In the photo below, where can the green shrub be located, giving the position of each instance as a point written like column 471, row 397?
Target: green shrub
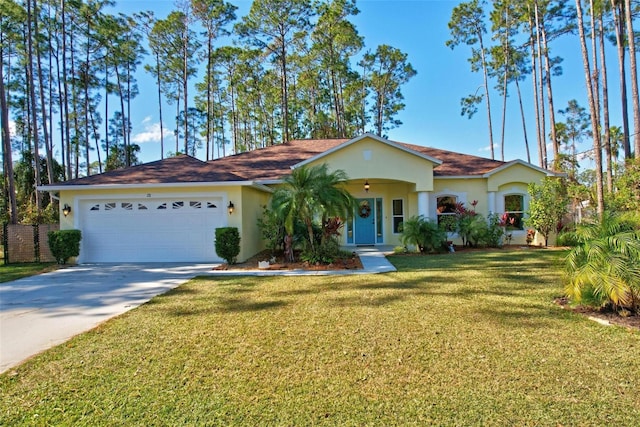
column 322, row 253
column 423, row 233
column 494, row 232
column 272, row 229
column 64, row 244
column 228, row 243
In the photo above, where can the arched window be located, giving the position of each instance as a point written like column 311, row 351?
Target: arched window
column 447, row 212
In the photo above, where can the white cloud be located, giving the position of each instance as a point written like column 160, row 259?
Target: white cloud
column 488, row 148
column 151, row 132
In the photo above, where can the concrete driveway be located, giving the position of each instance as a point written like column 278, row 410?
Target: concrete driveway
column 39, row 312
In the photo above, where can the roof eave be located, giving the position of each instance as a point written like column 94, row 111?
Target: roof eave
column 523, row 163
column 360, row 138
column 88, row 187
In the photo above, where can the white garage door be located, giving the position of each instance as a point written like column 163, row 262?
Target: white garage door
column 144, row 230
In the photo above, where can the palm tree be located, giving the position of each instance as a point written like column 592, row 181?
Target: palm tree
column 310, row 193
column 604, row 266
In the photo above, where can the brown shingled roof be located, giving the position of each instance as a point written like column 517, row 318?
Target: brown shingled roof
column 179, row 169
column 270, row 163
column 456, row 164
column 275, row 162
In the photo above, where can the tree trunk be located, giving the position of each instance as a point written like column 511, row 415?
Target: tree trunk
column 65, row 85
column 43, row 107
column 31, row 81
column 285, row 91
column 6, row 147
column 486, row 92
column 619, row 31
column 605, row 105
column 542, row 142
column 524, row 122
column 534, row 81
column 634, row 79
column 547, row 73
column 160, row 106
column 592, row 107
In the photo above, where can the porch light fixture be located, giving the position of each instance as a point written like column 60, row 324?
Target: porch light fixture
column 66, row 209
column 231, row 207
column 366, row 186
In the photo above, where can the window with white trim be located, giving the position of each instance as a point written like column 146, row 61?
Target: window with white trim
column 446, row 212
column 514, row 211
column 397, row 214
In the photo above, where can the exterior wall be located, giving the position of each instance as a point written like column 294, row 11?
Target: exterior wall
column 249, row 210
column 371, row 159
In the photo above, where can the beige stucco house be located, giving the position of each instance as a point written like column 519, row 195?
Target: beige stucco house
column 167, row 211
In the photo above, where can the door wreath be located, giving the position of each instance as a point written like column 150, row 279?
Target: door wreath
column 365, row 210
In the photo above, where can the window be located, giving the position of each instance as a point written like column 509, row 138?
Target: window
column 127, row 206
column 211, row 205
column 109, row 206
column 95, row 208
column 178, row 205
column 162, row 206
column 514, row 211
column 397, row 206
column 195, row 205
column 141, row 207
column 379, row 238
column 447, row 212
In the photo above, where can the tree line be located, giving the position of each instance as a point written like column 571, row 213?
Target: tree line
column 289, row 69
column 511, row 40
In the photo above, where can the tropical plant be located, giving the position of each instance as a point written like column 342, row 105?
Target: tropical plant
column 272, row 229
column 495, row 231
column 604, row 268
column 547, row 207
column 422, row 233
column 310, row 194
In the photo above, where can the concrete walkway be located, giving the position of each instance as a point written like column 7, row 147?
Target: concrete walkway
column 373, row 260
column 40, row 312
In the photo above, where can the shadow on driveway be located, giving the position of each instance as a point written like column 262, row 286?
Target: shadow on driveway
column 39, row 312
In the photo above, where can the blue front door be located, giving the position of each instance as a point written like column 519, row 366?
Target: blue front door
column 365, row 223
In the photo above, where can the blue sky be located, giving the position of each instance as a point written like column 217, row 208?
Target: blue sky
column 432, row 113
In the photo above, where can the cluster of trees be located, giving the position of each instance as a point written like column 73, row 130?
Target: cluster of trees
column 519, row 43
column 288, row 69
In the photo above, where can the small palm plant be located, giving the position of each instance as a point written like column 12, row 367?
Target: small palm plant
column 604, row 267
column 423, row 233
column 312, row 195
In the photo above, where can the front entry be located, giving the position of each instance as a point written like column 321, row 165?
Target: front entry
column 365, row 222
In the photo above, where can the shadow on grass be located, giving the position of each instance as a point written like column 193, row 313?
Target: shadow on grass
column 461, row 276
column 234, row 305
column 520, row 316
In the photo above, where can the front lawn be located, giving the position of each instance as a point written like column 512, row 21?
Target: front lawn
column 11, row 272
column 457, row 339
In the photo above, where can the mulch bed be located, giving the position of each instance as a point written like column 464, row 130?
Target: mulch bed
column 351, row 263
column 605, row 314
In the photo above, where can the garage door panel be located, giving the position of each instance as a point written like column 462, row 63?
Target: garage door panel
column 163, row 230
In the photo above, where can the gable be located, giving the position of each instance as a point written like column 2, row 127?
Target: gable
column 370, row 157
column 515, row 172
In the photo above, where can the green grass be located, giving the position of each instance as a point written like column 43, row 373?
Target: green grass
column 456, row 339
column 11, row 272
